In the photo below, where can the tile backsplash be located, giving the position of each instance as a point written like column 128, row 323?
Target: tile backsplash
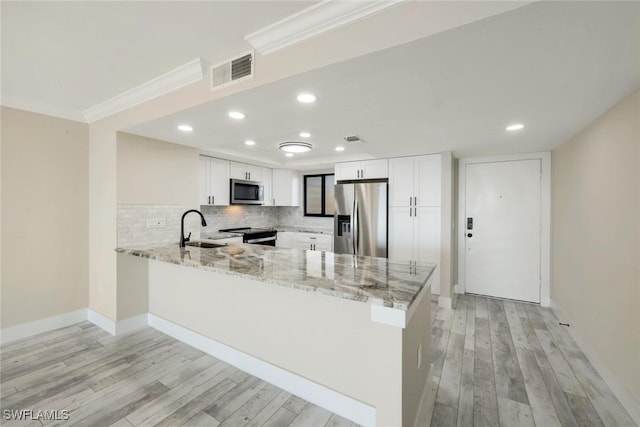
column 220, row 217
column 294, row 216
column 132, row 224
column 133, row 231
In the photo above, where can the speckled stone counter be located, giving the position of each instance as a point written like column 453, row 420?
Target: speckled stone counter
column 373, row 280
column 303, row 229
column 219, row 235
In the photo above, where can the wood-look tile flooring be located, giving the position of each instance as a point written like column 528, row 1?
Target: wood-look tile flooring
column 496, row 363
column 505, row 363
column 141, row 379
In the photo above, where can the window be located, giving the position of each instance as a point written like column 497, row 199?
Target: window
column 318, row 195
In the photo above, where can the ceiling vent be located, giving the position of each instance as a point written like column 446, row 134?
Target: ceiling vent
column 232, row 71
column 353, row 139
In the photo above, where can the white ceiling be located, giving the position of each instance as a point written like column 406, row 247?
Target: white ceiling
column 61, row 58
column 554, row 66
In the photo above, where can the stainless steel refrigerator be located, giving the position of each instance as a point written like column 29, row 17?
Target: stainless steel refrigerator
column 360, row 221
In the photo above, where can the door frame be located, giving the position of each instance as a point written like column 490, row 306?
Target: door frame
column 545, row 218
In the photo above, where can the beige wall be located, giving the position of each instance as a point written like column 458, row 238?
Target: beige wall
column 446, row 229
column 156, row 172
column 45, row 211
column 596, row 237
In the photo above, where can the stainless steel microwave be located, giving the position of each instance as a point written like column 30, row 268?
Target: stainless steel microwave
column 246, row 192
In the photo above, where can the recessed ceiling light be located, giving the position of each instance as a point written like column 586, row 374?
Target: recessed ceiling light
column 307, row 98
column 305, row 134
column 250, row 142
column 237, row 115
column 289, row 154
column 515, row 126
column 295, row 147
column 185, row 128
column 340, row 148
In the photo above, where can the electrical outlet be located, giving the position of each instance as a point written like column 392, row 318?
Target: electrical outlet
column 156, row 222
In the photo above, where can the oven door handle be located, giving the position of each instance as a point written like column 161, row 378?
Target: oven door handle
column 263, row 239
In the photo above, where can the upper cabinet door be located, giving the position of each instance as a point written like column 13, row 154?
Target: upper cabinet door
column 204, row 181
column 347, row 170
column 254, row 173
column 286, row 187
column 219, row 172
column 401, row 181
column 427, row 180
column 373, row 169
column 238, row 171
column 267, row 182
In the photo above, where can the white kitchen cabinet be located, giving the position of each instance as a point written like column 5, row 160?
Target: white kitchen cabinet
column 414, row 211
column 414, row 235
column 214, row 181
column 267, row 182
column 415, row 181
column 314, row 241
column 366, row 169
column 286, row 187
column 286, row 239
column 245, row 171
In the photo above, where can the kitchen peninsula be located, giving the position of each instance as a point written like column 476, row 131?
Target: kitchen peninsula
column 349, row 333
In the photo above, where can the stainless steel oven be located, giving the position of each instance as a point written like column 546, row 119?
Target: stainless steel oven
column 246, row 192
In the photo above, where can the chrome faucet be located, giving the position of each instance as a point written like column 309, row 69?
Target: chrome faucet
column 183, row 239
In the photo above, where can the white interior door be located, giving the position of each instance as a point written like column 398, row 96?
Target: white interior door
column 503, row 244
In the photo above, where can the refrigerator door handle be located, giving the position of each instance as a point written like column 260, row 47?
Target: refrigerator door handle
column 354, row 226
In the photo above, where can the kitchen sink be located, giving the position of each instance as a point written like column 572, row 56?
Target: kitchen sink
column 205, row 244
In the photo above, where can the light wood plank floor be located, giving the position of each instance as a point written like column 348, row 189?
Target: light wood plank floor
column 496, row 363
column 505, row 363
column 141, row 379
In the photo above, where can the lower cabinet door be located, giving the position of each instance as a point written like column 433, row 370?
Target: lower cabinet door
column 401, row 233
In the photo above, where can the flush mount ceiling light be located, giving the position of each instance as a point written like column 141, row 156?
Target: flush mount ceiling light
column 289, row 155
column 185, row 128
column 237, row 115
column 514, row 127
column 250, row 142
column 306, row 98
column 339, row 148
column 295, row 147
column 305, row 134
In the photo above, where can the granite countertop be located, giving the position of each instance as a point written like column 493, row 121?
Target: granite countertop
column 219, row 235
column 302, row 229
column 367, row 279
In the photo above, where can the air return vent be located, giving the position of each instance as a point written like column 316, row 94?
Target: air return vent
column 232, row 71
column 353, row 139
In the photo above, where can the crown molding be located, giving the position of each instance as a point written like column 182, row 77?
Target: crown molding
column 313, row 21
column 184, row 75
column 39, row 108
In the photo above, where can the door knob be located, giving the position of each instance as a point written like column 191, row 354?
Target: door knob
column 469, row 235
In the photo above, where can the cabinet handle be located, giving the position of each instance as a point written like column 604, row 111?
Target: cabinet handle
column 410, row 200
column 415, row 211
column 361, row 173
column 249, row 176
column 415, row 200
column 213, row 200
column 209, row 199
column 274, row 202
column 410, row 211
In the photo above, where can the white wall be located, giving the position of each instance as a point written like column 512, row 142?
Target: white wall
column 45, row 212
column 596, row 238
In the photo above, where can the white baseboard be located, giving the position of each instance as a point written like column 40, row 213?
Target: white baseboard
column 623, row 394
column 331, row 400
column 25, row 330
column 101, row 321
column 132, row 324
